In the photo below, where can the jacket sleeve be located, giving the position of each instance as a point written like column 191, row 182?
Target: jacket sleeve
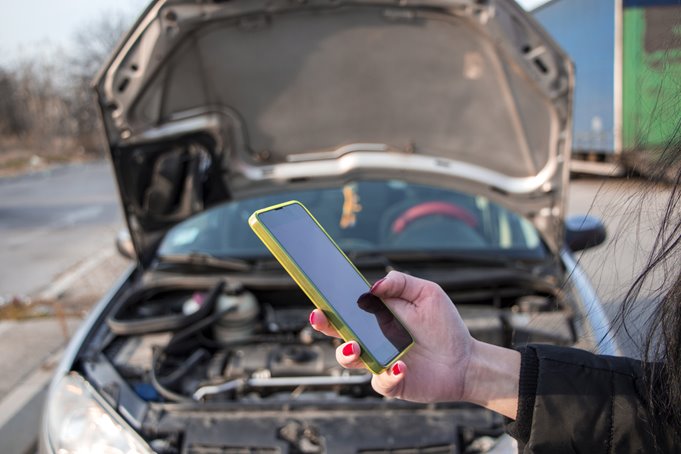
column 571, row 400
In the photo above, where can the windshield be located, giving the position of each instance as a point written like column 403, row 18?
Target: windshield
column 369, row 216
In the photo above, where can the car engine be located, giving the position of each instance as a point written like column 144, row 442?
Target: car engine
column 233, row 367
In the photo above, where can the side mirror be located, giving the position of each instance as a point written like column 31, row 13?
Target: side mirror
column 124, row 244
column 583, row 232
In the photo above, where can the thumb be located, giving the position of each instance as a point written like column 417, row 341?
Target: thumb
column 399, row 285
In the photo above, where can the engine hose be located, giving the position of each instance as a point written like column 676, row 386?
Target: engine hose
column 187, row 365
column 197, row 327
column 162, row 390
column 165, row 323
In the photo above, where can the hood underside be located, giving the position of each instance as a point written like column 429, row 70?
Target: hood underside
column 204, row 102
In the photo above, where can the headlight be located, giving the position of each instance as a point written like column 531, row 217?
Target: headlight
column 80, row 421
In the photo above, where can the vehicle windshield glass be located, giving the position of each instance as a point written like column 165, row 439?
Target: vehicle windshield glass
column 369, row 216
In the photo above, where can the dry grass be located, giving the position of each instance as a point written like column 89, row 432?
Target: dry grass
column 18, row 309
column 18, row 156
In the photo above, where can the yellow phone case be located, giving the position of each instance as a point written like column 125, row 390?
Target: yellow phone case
column 310, row 289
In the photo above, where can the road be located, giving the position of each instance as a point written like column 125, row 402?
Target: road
column 51, row 220
column 632, row 212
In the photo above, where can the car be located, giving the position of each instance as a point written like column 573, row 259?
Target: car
column 430, row 136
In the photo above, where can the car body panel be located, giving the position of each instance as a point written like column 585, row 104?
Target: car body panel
column 456, row 90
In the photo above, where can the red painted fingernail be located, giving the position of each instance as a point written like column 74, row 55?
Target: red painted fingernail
column 397, row 370
column 312, row 317
column 376, row 284
column 349, row 349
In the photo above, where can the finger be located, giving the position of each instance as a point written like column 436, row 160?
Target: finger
column 402, row 286
column 347, row 355
column 390, row 382
column 319, row 322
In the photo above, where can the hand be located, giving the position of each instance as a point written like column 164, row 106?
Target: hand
column 434, row 369
column 445, row 364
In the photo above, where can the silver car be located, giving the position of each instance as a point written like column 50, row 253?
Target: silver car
column 428, row 136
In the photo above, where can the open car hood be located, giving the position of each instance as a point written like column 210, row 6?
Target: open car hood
column 209, row 101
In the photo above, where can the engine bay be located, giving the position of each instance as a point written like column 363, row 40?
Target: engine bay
column 240, row 348
column 184, row 355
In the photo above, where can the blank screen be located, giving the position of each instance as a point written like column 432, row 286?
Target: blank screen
column 338, row 281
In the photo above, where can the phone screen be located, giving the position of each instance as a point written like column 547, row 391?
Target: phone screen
column 375, row 326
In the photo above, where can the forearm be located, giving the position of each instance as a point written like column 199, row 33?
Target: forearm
column 492, row 378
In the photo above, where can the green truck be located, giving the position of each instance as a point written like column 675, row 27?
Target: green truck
column 627, row 55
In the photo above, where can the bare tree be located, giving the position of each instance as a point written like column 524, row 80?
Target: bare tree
column 33, row 112
column 95, row 41
column 12, row 118
column 46, row 102
column 41, row 97
column 93, row 44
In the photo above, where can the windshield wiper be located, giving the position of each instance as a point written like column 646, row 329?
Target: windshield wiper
column 454, row 258
column 202, row 259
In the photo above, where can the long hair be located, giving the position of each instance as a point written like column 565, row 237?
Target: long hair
column 661, row 346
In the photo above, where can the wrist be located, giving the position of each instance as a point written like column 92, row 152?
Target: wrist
column 491, row 378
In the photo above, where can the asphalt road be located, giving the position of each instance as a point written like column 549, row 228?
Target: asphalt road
column 49, row 221
column 632, row 212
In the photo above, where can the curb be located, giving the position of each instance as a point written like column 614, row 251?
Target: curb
column 57, row 288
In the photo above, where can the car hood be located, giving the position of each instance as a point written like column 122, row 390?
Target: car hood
column 204, row 102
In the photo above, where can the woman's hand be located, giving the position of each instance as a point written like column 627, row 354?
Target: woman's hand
column 446, row 363
column 435, row 367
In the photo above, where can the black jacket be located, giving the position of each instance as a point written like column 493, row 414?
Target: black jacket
column 572, row 401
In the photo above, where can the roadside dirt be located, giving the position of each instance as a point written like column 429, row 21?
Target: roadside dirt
column 17, row 157
column 75, row 301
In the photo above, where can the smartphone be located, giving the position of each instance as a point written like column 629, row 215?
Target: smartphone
column 332, row 282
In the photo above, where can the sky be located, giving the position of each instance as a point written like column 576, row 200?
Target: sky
column 30, row 25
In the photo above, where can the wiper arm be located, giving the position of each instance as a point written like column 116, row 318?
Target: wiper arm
column 388, row 259
column 451, row 257
column 205, row 260
column 467, row 259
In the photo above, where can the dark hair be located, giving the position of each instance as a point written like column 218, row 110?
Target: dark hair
column 661, row 346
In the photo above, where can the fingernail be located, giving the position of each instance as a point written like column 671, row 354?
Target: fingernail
column 312, row 317
column 349, row 349
column 397, row 369
column 376, row 284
